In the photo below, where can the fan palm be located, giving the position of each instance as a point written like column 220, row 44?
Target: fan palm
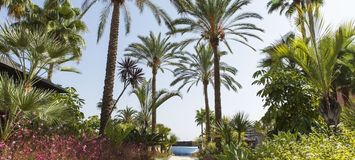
column 240, row 123
column 318, row 59
column 61, row 20
column 17, row 104
column 15, row 8
column 148, row 103
column 216, row 21
column 33, row 48
column 195, row 68
column 157, row 52
column 116, row 6
column 127, row 115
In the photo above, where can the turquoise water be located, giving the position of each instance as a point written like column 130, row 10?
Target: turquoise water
column 184, row 150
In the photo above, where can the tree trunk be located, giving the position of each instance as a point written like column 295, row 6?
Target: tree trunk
column 50, row 72
column 207, row 108
column 330, row 110
column 217, row 87
column 107, row 99
column 154, row 110
column 202, row 130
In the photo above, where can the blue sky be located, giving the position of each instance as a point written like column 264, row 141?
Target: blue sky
column 178, row 114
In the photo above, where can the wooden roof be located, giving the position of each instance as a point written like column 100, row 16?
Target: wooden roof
column 14, row 70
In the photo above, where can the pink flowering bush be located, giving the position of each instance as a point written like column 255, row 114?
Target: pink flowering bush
column 26, row 144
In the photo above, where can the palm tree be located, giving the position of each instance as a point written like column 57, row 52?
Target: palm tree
column 200, row 118
column 117, row 5
column 240, row 123
column 157, row 52
column 289, row 8
column 17, row 104
column 318, row 58
column 193, row 68
column 15, row 8
column 216, row 21
column 148, row 103
column 66, row 27
column 37, row 53
column 127, row 115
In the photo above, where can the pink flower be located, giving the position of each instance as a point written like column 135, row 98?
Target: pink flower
column 2, row 145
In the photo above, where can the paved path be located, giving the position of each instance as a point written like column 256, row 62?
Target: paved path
column 181, row 158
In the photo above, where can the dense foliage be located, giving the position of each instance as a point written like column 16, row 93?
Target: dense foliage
column 311, row 147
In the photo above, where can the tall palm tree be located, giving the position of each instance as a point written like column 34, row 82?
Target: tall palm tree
column 240, row 123
column 127, row 115
column 148, row 103
column 116, row 6
column 195, row 68
column 216, row 21
column 157, row 52
column 318, row 58
column 63, row 21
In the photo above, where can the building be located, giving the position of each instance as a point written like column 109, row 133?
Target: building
column 14, row 70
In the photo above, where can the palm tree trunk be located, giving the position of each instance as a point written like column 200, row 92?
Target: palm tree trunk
column 154, row 110
column 107, row 99
column 330, row 110
column 50, row 72
column 207, row 108
column 202, row 130
column 217, row 87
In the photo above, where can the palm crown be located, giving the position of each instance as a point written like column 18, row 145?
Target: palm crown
column 211, row 23
column 195, row 68
column 158, row 13
column 156, row 51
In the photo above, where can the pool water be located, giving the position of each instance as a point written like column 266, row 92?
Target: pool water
column 184, row 150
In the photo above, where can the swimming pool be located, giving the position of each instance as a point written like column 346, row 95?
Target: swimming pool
column 184, row 150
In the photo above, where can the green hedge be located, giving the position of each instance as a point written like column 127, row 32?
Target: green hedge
column 315, row 146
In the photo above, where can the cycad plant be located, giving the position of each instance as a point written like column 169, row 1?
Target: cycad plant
column 215, row 22
column 156, row 52
column 116, row 6
column 191, row 69
column 18, row 105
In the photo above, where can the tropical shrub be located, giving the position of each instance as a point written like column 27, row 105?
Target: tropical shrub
column 26, row 144
column 17, row 105
column 314, row 146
